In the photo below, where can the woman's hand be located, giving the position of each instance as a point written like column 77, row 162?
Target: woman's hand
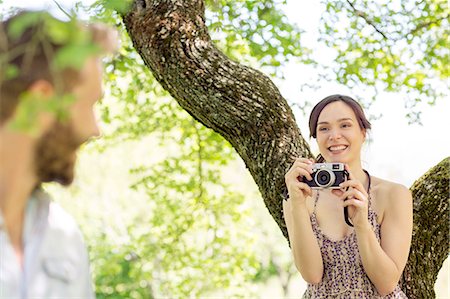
column 299, row 191
column 356, row 199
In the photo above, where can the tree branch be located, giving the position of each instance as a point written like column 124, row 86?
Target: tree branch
column 426, row 24
column 363, row 15
column 240, row 103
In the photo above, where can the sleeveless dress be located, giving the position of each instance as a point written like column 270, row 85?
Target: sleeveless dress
column 343, row 274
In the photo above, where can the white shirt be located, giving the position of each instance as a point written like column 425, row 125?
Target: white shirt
column 56, row 263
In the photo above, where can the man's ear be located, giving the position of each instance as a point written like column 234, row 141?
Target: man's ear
column 42, row 87
column 42, row 91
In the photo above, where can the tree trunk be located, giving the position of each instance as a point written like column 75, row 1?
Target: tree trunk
column 247, row 109
column 430, row 242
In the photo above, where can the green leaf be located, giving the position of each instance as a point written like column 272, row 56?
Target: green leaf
column 74, row 55
column 11, row 72
column 24, row 21
column 121, row 6
column 60, row 33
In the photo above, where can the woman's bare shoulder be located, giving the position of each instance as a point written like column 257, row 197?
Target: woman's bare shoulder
column 388, row 188
column 385, row 185
column 389, row 194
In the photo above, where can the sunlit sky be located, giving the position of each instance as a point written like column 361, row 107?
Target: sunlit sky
column 398, row 151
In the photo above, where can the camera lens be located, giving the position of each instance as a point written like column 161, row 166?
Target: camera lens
column 324, row 178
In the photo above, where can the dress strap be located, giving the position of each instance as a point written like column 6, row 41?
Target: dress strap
column 315, row 201
column 369, row 198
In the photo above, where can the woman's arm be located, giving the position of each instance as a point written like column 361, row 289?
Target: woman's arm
column 384, row 263
column 305, row 249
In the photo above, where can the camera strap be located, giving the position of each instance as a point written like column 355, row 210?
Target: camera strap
column 346, row 218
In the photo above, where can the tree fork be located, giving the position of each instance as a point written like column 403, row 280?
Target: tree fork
column 246, row 108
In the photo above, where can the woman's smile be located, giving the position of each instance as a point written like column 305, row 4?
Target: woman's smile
column 337, row 149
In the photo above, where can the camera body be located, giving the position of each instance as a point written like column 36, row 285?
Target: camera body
column 327, row 175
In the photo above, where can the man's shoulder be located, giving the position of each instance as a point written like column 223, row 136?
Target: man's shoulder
column 61, row 252
column 59, row 221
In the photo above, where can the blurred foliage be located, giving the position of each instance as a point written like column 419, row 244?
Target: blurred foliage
column 396, row 46
column 256, row 32
column 184, row 228
column 181, row 231
column 63, row 43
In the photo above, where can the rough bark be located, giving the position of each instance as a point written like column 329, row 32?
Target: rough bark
column 430, row 242
column 246, row 108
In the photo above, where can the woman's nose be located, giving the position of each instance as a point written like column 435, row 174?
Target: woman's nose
column 335, row 134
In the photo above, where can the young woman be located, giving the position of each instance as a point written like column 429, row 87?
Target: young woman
column 337, row 260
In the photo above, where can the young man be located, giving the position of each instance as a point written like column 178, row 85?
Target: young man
column 42, row 254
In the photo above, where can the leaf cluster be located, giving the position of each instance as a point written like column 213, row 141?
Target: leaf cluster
column 64, row 43
column 395, row 46
column 256, row 32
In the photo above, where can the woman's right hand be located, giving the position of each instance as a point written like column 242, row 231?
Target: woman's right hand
column 298, row 190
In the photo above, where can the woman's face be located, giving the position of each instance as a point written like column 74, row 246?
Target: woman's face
column 339, row 135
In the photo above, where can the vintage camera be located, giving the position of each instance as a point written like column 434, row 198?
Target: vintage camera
column 327, row 175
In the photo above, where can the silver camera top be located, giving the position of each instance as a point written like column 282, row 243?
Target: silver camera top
column 330, row 166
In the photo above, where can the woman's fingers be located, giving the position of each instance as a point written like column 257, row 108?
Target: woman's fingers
column 299, row 191
column 354, row 184
column 353, row 193
column 306, row 188
column 352, row 181
column 302, row 167
column 353, row 202
column 304, row 163
column 297, row 172
column 302, row 172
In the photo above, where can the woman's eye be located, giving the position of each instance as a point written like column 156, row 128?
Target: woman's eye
column 323, row 129
column 346, row 125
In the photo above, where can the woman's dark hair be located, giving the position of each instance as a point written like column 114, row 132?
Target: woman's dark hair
column 356, row 107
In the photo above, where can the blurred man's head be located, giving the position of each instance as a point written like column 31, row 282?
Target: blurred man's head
column 56, row 149
column 32, row 59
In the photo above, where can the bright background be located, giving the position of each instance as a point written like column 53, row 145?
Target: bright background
column 397, row 151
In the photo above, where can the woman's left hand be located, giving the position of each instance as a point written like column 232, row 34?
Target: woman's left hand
column 356, row 199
